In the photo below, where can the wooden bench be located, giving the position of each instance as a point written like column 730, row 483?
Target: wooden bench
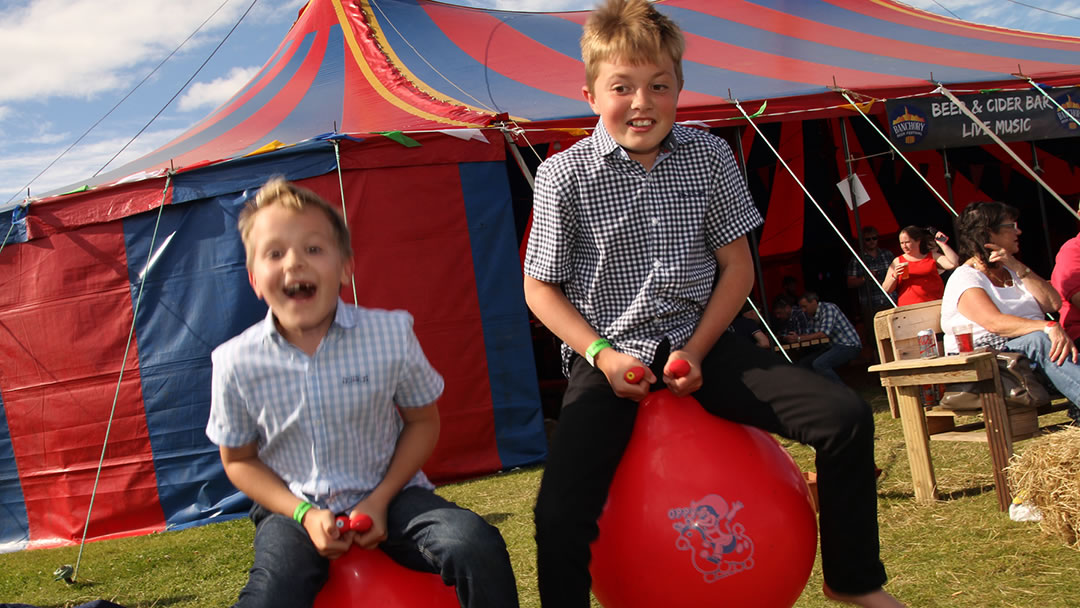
column 903, row 373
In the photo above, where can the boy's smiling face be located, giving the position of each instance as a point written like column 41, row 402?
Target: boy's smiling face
column 298, row 269
column 636, row 104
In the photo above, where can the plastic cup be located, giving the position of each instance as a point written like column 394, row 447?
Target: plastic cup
column 962, row 333
column 901, row 270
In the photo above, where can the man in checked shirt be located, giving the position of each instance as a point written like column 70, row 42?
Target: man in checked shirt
column 630, row 227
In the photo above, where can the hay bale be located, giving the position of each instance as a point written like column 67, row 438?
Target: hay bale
column 1047, row 475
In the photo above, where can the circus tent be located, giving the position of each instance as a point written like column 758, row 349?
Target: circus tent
column 401, row 110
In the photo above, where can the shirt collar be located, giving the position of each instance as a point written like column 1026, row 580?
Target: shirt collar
column 342, row 319
column 606, row 144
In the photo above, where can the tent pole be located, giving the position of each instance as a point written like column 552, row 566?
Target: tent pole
column 864, row 289
column 851, row 183
column 948, row 176
column 1050, row 257
column 753, row 235
column 901, row 154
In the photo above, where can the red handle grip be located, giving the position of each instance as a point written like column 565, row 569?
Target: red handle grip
column 635, row 374
column 679, row 368
column 361, row 522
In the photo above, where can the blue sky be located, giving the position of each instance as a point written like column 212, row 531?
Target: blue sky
column 68, row 62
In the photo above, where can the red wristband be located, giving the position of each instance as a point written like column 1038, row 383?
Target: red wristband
column 1050, row 324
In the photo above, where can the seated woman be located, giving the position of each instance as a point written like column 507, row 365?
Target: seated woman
column 916, row 273
column 1004, row 301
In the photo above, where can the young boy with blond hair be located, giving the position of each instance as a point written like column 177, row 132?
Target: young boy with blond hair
column 630, row 227
column 324, row 409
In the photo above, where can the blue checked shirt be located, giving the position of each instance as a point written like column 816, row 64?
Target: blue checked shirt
column 831, row 320
column 634, row 250
column 326, row 424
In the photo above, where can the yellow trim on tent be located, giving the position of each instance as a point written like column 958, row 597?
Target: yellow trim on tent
column 378, row 86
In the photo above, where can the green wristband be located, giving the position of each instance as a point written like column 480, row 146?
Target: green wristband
column 301, row 510
column 594, row 349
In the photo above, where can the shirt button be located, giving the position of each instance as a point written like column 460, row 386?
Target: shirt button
column 655, row 221
column 656, row 263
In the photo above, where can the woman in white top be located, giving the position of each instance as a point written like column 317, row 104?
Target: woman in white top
column 1004, row 301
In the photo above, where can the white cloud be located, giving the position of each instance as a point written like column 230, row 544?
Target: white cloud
column 1010, row 15
column 216, row 92
column 79, row 48
column 76, row 167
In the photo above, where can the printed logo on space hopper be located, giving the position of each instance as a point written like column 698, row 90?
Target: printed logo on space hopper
column 718, row 545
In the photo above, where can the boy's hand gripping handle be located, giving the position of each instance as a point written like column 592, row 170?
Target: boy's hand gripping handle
column 361, row 522
column 678, row 369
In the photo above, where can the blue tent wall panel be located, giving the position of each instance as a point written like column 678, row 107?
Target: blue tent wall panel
column 515, row 392
column 14, row 523
column 294, row 163
column 195, row 297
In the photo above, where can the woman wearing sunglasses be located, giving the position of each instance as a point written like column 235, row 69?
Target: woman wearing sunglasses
column 1004, row 301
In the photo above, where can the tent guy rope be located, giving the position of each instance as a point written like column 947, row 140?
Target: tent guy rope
column 885, row 137
column 813, row 200
column 344, row 213
column 967, row 112
column 151, row 257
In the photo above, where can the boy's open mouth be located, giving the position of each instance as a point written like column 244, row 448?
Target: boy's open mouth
column 641, row 122
column 300, row 290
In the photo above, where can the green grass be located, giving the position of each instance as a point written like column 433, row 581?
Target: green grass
column 958, row 552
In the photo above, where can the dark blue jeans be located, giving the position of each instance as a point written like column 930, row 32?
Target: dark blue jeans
column 826, row 362
column 424, row 532
column 1064, row 377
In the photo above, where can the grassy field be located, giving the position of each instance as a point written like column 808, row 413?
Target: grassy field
column 959, row 552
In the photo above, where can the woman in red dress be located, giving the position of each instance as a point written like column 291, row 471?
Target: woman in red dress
column 916, row 273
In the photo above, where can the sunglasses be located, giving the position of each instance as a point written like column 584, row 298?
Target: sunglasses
column 1009, row 225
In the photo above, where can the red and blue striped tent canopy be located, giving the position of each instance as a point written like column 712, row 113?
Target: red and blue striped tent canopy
column 371, row 103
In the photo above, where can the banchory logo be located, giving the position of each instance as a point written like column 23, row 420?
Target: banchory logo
column 908, row 125
column 1070, row 105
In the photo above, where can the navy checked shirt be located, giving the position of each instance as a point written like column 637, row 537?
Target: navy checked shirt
column 634, row 250
column 879, row 265
column 831, row 320
column 326, row 424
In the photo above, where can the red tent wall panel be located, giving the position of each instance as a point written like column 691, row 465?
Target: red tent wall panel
column 401, row 242
column 65, row 313
column 95, row 206
column 784, row 218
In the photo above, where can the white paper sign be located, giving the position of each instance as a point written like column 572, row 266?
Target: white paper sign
column 856, row 184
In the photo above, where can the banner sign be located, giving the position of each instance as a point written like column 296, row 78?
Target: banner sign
column 936, row 122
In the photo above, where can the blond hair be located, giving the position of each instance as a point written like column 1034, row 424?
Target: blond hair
column 632, row 31
column 279, row 191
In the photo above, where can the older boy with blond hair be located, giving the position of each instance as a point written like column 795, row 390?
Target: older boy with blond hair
column 631, row 226
column 324, row 409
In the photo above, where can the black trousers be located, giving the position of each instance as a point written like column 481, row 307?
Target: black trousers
column 743, row 383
